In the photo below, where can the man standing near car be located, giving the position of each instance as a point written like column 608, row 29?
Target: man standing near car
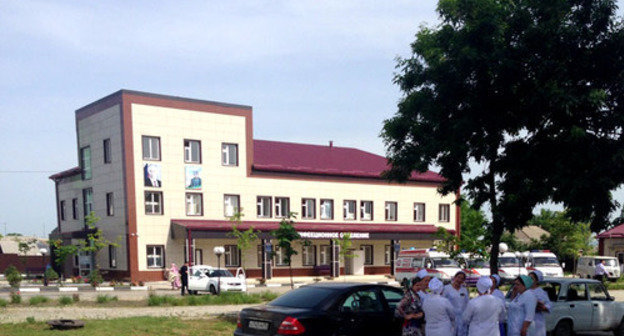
column 600, row 271
column 184, row 277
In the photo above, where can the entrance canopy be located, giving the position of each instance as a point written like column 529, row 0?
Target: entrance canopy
column 312, row 230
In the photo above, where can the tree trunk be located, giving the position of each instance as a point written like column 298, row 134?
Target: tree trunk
column 292, row 284
column 497, row 225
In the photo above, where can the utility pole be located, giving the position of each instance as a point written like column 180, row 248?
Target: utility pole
column 5, row 228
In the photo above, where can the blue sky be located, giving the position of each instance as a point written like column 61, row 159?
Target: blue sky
column 313, row 71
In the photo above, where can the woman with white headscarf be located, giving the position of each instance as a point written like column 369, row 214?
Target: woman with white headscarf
column 457, row 293
column 496, row 281
column 439, row 313
column 521, row 309
column 543, row 302
column 484, row 313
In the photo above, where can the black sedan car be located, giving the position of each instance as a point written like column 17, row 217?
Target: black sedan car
column 326, row 309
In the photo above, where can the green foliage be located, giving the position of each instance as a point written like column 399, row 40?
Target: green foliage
column 30, row 319
column 106, row 298
column 65, row 300
column 225, row 298
column 345, row 243
column 95, row 278
column 473, row 230
column 566, row 237
column 286, row 236
column 528, row 90
column 13, row 276
column 446, row 242
column 37, row 299
column 62, row 252
column 51, row 274
column 16, row 298
column 3, row 303
column 244, row 239
column 23, row 246
column 14, row 234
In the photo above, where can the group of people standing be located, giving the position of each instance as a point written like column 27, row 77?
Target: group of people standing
column 178, row 278
column 431, row 308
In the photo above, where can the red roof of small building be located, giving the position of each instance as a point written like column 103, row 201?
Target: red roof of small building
column 617, row 232
column 66, row 173
column 287, row 157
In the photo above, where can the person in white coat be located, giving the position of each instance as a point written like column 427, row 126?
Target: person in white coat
column 457, row 293
column 439, row 313
column 521, row 309
column 496, row 281
column 424, row 275
column 543, row 303
column 484, row 313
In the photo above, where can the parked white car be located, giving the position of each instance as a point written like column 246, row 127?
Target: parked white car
column 437, row 264
column 546, row 262
column 581, row 305
column 510, row 267
column 204, row 278
column 586, row 267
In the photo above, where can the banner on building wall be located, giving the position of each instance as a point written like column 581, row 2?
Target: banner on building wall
column 333, row 235
column 153, row 175
column 193, row 177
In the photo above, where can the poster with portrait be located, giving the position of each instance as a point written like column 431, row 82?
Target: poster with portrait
column 152, row 174
column 193, row 177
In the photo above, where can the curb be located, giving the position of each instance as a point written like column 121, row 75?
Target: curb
column 75, row 289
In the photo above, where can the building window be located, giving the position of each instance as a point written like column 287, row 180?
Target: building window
column 62, row 210
column 153, row 203
column 282, row 207
column 229, row 154
column 75, row 208
column 85, row 162
column 444, row 211
column 110, row 204
column 391, row 211
column 280, row 256
column 87, row 201
column 264, row 206
column 368, row 254
column 349, row 210
column 308, row 210
column 366, row 210
column 231, row 256
column 387, row 252
column 151, row 148
column 107, row 151
column 155, row 256
column 325, row 257
column 327, row 209
column 112, row 256
column 194, row 204
column 192, row 151
column 308, row 255
column 231, row 205
column 419, row 212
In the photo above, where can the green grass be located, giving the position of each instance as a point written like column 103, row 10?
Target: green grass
column 65, row 300
column 106, row 298
column 37, row 300
column 135, row 326
column 221, row 299
column 3, row 303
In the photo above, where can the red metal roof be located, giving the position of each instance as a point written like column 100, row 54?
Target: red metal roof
column 225, row 225
column 66, row 173
column 287, row 157
column 617, row 232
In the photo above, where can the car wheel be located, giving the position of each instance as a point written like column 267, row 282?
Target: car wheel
column 563, row 328
column 213, row 290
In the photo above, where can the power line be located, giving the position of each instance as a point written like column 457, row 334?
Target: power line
column 27, row 171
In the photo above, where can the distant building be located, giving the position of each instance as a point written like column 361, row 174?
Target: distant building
column 611, row 243
column 165, row 174
column 531, row 232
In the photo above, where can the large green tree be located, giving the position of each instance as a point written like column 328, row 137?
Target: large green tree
column 529, row 91
column 566, row 238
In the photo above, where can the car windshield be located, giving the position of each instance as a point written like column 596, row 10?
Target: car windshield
column 545, row 261
column 609, row 262
column 478, row 263
column 304, row 297
column 220, row 273
column 508, row 262
column 444, row 262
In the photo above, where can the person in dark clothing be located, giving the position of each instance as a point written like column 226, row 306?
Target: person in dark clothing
column 184, row 277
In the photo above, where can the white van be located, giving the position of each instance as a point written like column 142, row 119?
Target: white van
column 586, row 267
column 546, row 262
column 437, row 264
column 510, row 267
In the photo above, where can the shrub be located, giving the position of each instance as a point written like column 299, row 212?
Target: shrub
column 51, row 274
column 76, row 297
column 3, row 303
column 106, row 298
column 13, row 276
column 30, row 319
column 65, row 300
column 16, row 298
column 95, row 278
column 35, row 300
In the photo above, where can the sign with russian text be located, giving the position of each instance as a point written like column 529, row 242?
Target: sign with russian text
column 333, row 235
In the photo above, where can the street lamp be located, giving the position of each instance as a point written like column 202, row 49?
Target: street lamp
column 44, row 251
column 218, row 251
column 519, row 256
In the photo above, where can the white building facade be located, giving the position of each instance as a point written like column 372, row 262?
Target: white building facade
column 164, row 174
